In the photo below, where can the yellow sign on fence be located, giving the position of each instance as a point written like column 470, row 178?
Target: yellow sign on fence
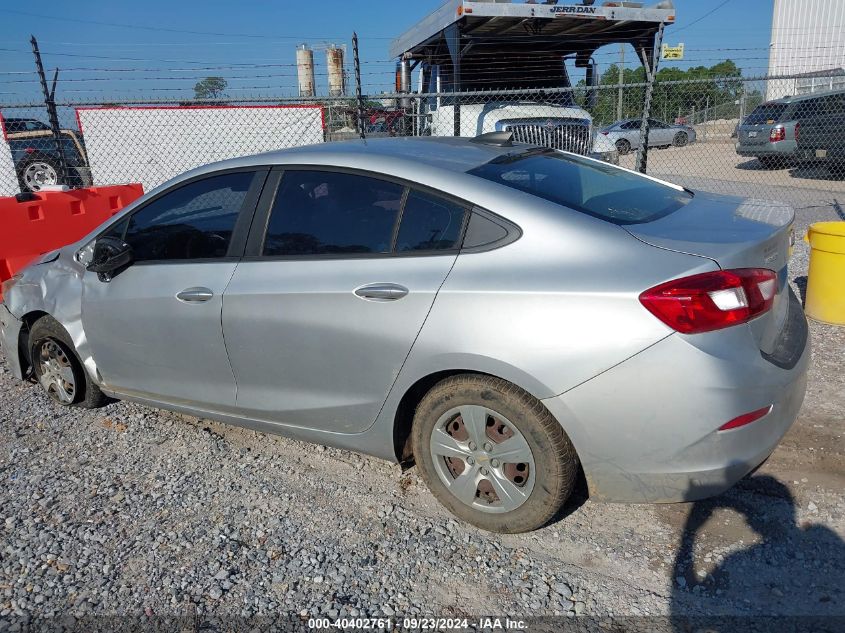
column 672, row 52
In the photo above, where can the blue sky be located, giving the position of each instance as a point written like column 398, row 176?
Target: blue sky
column 252, row 42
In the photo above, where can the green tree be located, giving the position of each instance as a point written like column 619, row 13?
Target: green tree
column 210, row 88
column 716, row 88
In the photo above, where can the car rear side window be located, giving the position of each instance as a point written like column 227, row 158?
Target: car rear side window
column 429, row 223
column 585, row 185
column 195, row 221
column 324, row 212
column 805, row 110
column 766, row 112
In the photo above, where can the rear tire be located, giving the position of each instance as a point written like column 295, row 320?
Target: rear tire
column 508, row 423
column 623, row 146
column 57, row 368
column 836, row 169
column 680, row 140
column 771, row 162
column 37, row 173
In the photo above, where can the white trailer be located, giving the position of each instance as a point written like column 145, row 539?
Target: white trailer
column 519, row 50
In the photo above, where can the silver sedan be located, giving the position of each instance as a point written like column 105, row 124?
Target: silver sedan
column 626, row 134
column 508, row 317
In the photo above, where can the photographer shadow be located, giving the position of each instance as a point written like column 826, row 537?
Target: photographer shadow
column 794, row 575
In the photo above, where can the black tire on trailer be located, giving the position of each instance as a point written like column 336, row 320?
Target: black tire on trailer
column 492, row 454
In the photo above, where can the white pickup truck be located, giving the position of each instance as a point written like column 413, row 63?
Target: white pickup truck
column 501, row 65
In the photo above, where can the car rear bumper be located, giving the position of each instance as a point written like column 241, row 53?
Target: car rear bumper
column 781, row 148
column 10, row 328
column 647, row 429
column 822, row 153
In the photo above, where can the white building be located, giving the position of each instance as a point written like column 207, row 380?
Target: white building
column 808, row 42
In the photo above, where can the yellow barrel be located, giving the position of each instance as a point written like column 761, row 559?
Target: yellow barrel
column 826, row 279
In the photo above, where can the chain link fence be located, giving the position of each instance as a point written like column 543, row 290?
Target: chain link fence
column 717, row 134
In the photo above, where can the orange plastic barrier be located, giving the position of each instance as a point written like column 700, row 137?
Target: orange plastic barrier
column 30, row 229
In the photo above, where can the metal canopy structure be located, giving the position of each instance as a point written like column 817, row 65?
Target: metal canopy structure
column 504, row 45
column 463, row 29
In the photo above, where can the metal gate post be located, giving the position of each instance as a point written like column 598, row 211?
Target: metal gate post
column 651, row 72
column 52, row 113
column 453, row 43
column 358, row 95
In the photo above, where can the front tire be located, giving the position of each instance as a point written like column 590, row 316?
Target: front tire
column 57, row 367
column 681, row 139
column 492, row 454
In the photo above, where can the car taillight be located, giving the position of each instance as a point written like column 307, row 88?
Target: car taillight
column 797, row 130
column 712, row 301
column 605, row 133
column 30, row 150
column 777, row 134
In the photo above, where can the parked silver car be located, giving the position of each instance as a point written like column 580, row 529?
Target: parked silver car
column 506, row 316
column 626, row 134
column 772, row 131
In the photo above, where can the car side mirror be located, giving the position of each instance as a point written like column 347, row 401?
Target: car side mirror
column 111, row 255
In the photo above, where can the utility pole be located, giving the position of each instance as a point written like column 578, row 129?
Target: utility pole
column 621, row 80
column 52, row 113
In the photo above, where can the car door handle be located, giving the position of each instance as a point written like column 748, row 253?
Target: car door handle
column 381, row 292
column 195, row 295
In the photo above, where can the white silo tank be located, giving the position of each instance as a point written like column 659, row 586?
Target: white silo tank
column 334, row 62
column 305, row 70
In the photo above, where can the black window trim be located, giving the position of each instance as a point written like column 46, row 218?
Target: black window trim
column 246, row 215
column 255, row 241
column 512, row 232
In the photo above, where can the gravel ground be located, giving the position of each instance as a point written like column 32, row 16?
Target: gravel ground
column 131, row 510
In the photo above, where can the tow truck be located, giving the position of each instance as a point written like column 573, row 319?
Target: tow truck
column 501, row 66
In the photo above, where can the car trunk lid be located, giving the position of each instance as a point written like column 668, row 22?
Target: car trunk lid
column 754, row 134
column 735, row 233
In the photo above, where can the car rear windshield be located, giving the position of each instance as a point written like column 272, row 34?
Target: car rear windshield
column 588, row 186
column 766, row 112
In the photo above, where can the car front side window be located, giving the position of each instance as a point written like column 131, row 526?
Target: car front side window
column 194, row 221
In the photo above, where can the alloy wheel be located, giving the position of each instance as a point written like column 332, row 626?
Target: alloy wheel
column 39, row 173
column 56, row 372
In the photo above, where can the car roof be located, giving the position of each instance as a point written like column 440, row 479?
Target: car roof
column 809, row 95
column 638, row 118
column 447, row 153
